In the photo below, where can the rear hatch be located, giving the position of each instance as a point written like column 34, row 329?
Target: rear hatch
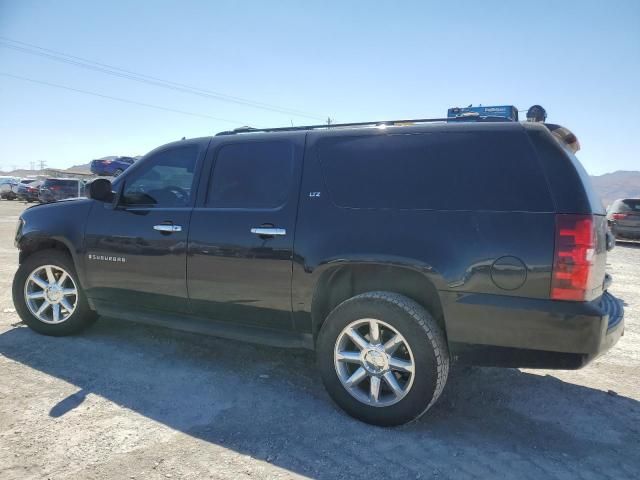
column 628, row 215
column 62, row 188
column 97, row 165
column 580, row 255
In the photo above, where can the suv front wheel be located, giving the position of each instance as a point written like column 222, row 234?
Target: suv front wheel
column 48, row 297
column 382, row 358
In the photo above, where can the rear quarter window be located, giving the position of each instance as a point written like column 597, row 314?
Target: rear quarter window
column 435, row 171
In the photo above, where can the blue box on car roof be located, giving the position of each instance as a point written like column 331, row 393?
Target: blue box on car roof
column 506, row 112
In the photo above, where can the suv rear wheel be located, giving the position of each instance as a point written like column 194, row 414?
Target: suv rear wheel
column 48, row 297
column 382, row 358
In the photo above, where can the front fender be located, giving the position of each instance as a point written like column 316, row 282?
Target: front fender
column 57, row 224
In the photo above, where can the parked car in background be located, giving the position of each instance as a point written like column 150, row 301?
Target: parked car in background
column 55, row 189
column 8, row 187
column 623, row 217
column 111, row 168
column 29, row 189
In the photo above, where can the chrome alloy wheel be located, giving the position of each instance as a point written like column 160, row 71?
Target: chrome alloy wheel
column 50, row 294
column 374, row 362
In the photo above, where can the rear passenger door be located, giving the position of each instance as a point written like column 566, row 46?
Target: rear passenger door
column 241, row 234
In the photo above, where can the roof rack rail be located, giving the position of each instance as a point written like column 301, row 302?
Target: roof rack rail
column 381, row 123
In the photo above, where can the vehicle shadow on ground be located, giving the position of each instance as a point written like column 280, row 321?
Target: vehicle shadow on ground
column 628, row 243
column 270, row 404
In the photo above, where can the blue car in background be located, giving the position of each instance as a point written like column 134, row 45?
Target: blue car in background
column 111, row 167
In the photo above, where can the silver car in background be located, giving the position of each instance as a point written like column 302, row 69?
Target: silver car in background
column 623, row 217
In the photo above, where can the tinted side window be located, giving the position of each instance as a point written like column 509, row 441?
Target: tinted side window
column 252, row 175
column 164, row 180
column 437, row 171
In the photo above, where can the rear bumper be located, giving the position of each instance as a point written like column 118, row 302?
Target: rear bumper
column 521, row 332
column 27, row 196
column 45, row 197
column 625, row 232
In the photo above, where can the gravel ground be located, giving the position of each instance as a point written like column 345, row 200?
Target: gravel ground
column 129, row 401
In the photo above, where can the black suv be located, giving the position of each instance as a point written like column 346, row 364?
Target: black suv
column 389, row 250
column 55, row 189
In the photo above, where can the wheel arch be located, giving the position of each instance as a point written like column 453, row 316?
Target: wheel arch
column 32, row 243
column 341, row 282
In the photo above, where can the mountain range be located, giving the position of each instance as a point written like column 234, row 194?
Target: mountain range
column 620, row 184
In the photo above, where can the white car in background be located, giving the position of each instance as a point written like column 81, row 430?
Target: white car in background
column 9, row 187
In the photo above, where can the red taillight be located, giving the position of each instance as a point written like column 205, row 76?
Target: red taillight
column 573, row 259
column 619, row 216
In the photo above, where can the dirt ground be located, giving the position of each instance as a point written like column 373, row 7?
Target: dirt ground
column 129, row 401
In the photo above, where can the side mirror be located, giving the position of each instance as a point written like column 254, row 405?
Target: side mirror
column 100, row 189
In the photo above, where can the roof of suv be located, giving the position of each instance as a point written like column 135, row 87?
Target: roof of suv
column 336, row 130
column 56, row 179
column 395, row 127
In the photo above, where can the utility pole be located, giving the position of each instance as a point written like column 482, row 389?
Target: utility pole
column 329, row 121
column 32, row 165
column 43, row 164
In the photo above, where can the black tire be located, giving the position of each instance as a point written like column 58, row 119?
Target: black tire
column 82, row 316
column 425, row 338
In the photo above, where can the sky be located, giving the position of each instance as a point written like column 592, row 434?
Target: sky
column 348, row 60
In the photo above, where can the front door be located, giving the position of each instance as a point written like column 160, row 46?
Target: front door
column 241, row 234
column 136, row 250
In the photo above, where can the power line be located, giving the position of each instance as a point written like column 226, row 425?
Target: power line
column 128, row 74
column 124, row 100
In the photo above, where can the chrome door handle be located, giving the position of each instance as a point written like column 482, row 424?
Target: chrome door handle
column 270, row 232
column 164, row 227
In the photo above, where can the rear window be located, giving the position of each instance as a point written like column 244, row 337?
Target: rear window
column 630, row 205
column 62, row 183
column 435, row 171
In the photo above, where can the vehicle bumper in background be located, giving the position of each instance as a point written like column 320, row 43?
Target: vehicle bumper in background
column 626, row 232
column 46, row 197
column 521, row 332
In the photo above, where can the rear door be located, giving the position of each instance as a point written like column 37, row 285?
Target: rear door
column 241, row 234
